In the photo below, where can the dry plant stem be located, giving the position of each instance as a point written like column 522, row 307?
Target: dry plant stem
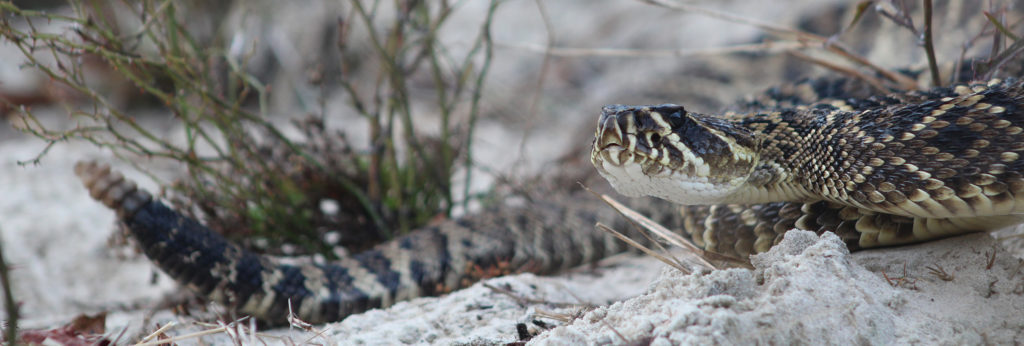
column 650, row 225
column 574, row 52
column 874, row 82
column 175, row 339
column 999, row 26
column 395, row 75
column 538, row 88
column 903, row 82
column 234, row 330
column 996, row 63
column 673, row 238
column 410, row 42
column 11, row 326
column 670, row 261
column 209, row 109
column 564, row 318
column 929, row 48
column 73, row 80
column 198, row 103
column 995, row 34
column 616, row 331
column 448, row 101
column 633, row 218
column 486, row 43
column 158, row 332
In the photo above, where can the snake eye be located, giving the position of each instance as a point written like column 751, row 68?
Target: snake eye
column 655, row 138
column 676, row 120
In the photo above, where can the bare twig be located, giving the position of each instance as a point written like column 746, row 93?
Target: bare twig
column 940, row 273
column 574, row 52
column 486, row 43
column 991, row 259
column 538, row 88
column 637, row 220
column 929, row 48
column 619, row 208
column 158, row 332
column 670, row 261
column 901, row 17
column 184, row 76
column 1007, row 55
column 904, row 280
column 872, row 81
column 171, row 340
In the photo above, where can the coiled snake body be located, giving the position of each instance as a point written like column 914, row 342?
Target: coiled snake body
column 880, row 171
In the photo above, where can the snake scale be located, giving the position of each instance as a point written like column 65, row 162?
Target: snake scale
column 878, row 171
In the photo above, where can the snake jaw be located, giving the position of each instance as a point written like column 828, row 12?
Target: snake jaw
column 666, row 152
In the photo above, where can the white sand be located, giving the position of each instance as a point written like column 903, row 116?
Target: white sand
column 809, row 290
column 55, row 237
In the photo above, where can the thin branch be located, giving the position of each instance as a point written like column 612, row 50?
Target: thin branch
column 928, row 46
column 872, row 81
column 575, row 52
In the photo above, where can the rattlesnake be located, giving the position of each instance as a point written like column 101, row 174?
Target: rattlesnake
column 900, row 168
column 881, row 171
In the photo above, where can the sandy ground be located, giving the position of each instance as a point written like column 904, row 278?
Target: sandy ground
column 808, row 291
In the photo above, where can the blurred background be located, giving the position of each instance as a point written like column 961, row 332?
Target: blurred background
column 379, row 115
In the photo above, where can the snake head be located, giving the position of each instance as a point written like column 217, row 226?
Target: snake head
column 667, row 152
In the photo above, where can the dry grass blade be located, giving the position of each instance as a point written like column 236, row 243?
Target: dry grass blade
column 999, row 26
column 158, row 332
column 234, row 330
column 672, row 262
column 700, row 257
column 654, row 227
column 673, row 238
column 560, row 317
column 607, row 200
column 862, row 7
column 218, row 330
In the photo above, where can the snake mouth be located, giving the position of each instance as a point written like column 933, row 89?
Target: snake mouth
column 610, row 147
column 609, row 144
